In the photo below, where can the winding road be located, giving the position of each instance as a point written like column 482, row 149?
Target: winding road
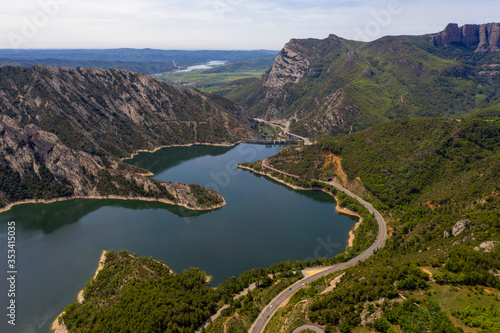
column 308, row 327
column 266, row 314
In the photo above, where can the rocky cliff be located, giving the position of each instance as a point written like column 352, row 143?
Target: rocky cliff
column 335, row 86
column 63, row 132
column 486, row 36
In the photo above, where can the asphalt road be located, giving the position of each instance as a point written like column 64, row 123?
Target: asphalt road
column 264, row 317
column 308, row 327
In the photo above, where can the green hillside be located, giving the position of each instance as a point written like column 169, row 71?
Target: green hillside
column 335, row 86
column 436, row 181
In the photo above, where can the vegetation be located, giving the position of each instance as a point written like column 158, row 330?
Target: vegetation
column 487, row 319
column 141, row 294
column 205, row 197
column 14, row 187
column 209, row 80
column 101, row 116
column 350, row 86
column 116, row 112
column 117, row 183
column 133, row 294
column 439, row 172
column 429, row 277
column 412, row 317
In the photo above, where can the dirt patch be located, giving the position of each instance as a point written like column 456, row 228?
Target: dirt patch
column 335, row 162
column 427, row 271
column 352, row 234
column 333, row 284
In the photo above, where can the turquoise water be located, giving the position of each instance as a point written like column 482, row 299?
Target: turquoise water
column 264, row 222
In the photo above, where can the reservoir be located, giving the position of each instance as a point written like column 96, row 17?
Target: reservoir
column 58, row 245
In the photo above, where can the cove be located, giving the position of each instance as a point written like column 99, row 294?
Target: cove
column 264, row 222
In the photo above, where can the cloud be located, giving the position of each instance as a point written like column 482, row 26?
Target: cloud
column 226, row 24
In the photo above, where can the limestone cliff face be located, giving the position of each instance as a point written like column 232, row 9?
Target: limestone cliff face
column 486, row 36
column 36, row 155
column 299, row 62
column 26, row 150
column 31, row 158
column 115, row 110
column 63, row 132
column 336, row 86
column 289, row 67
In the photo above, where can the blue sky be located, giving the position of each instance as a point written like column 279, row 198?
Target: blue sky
column 223, row 24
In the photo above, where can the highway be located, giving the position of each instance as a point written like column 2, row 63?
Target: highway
column 264, row 317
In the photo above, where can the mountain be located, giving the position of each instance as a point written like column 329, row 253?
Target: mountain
column 334, row 85
column 429, row 161
column 486, row 36
column 63, row 132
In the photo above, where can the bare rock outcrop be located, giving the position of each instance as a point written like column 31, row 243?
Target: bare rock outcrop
column 486, row 36
column 289, row 67
column 487, row 246
column 64, row 130
column 368, row 72
column 457, row 229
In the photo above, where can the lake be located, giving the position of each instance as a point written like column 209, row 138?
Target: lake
column 264, row 222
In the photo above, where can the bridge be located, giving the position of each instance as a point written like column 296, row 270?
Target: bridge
column 291, row 135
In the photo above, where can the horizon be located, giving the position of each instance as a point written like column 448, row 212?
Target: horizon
column 223, row 24
column 223, row 49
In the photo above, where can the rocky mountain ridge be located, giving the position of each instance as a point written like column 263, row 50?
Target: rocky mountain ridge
column 335, row 86
column 487, row 36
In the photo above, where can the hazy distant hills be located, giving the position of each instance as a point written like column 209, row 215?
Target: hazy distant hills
column 147, row 61
column 62, row 130
column 334, row 85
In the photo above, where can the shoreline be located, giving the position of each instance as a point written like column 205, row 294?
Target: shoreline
column 117, row 197
column 108, row 197
column 338, row 208
column 352, row 235
column 154, row 150
column 59, row 327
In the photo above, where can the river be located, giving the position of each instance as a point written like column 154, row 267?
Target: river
column 58, row 245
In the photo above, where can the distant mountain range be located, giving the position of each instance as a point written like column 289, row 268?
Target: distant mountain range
column 334, row 85
column 147, row 61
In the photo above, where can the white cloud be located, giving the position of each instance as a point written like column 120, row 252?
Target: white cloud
column 229, row 24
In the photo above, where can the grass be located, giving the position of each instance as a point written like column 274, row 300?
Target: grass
column 459, row 298
column 207, row 82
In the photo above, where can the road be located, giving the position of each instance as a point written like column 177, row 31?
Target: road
column 307, row 142
column 308, row 327
column 215, row 316
column 266, row 314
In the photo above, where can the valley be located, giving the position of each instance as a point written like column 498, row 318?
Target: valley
column 401, row 133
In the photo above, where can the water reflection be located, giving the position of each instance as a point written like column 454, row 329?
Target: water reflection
column 315, row 195
column 168, row 158
column 50, row 217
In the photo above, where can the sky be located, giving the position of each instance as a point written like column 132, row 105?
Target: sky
column 224, row 24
